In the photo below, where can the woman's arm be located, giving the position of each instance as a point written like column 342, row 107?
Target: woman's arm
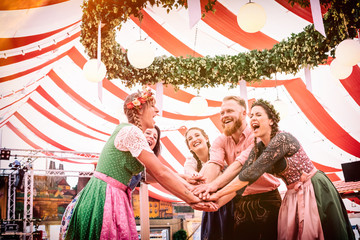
column 228, row 192
column 280, row 146
column 166, row 177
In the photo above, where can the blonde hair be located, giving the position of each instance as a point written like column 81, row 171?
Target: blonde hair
column 132, row 114
column 237, row 99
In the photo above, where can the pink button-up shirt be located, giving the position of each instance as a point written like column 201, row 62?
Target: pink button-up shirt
column 224, row 151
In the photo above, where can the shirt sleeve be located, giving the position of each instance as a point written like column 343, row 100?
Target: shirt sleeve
column 190, row 165
column 244, row 155
column 280, row 146
column 217, row 151
column 130, row 138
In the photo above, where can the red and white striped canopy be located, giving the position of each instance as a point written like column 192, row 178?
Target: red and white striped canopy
column 46, row 103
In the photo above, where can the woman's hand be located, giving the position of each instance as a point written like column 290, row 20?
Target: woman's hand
column 196, row 179
column 214, row 197
column 205, row 206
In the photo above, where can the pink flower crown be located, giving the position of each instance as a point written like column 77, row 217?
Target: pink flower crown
column 145, row 95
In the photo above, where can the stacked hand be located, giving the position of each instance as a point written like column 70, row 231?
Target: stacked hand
column 196, row 179
column 203, row 191
column 205, row 206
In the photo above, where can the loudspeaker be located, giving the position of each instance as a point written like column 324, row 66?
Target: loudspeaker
column 351, row 171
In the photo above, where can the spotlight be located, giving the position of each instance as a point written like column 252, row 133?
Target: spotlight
column 5, row 154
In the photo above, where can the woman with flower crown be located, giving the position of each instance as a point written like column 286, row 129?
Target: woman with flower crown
column 102, row 210
column 312, row 208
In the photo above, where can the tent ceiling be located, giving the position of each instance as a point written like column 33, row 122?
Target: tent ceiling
column 47, row 104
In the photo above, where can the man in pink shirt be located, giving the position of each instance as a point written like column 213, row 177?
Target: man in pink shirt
column 256, row 209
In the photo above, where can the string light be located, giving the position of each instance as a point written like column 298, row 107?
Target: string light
column 39, row 47
column 315, row 133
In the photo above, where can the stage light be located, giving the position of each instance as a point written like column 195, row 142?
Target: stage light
column 5, row 154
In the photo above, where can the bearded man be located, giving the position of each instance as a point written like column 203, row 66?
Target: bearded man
column 251, row 214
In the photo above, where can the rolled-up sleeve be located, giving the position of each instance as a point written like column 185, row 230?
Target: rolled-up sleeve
column 217, row 152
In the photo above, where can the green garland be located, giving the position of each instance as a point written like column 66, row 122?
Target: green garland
column 308, row 48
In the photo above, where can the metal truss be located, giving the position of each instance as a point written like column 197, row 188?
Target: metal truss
column 28, row 202
column 28, row 156
column 11, row 196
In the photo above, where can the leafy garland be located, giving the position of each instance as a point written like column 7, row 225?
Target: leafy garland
column 308, row 48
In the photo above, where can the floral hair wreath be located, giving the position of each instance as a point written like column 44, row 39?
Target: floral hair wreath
column 267, row 104
column 145, row 95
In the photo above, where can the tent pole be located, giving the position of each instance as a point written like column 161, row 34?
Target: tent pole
column 144, row 211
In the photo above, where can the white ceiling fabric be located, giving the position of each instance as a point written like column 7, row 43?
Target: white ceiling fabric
column 19, row 95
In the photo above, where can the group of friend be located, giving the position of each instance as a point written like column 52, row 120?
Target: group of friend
column 234, row 181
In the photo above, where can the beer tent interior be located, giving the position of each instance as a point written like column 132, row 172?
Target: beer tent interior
column 47, row 104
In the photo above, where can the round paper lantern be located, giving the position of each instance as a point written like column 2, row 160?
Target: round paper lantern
column 251, row 17
column 140, row 54
column 198, row 105
column 92, row 72
column 281, row 107
column 348, row 52
column 339, row 70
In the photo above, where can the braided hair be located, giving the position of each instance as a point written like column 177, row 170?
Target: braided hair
column 198, row 161
column 272, row 114
column 132, row 114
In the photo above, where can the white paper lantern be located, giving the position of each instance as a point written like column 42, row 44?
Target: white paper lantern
column 92, row 72
column 348, row 52
column 281, row 107
column 251, row 17
column 198, row 105
column 140, row 54
column 339, row 70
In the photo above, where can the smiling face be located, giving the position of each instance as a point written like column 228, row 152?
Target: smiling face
column 232, row 116
column 260, row 123
column 147, row 114
column 151, row 136
column 196, row 140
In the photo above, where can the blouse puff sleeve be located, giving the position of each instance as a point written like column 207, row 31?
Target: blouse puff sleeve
column 130, row 138
column 190, row 165
column 280, row 146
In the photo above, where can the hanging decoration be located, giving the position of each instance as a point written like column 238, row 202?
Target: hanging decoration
column 339, row 70
column 307, row 48
column 198, row 105
column 93, row 72
column 251, row 17
column 317, row 16
column 140, row 54
column 281, row 107
column 348, row 52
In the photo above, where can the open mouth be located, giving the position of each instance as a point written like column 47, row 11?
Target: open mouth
column 255, row 126
column 196, row 143
column 150, row 142
column 227, row 121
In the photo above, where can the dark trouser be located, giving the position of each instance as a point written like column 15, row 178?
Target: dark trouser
column 256, row 216
column 218, row 225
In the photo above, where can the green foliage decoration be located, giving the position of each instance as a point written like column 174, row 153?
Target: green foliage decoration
column 307, row 48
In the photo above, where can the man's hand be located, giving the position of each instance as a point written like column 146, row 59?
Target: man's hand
column 203, row 191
